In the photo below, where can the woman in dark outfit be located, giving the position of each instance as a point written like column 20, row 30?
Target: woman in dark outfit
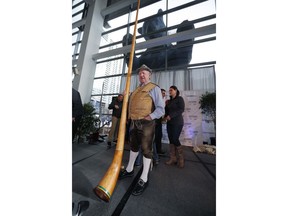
column 173, row 114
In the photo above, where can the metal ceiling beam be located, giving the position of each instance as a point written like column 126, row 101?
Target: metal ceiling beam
column 117, row 6
column 123, row 7
column 74, row 62
column 89, row 1
column 181, row 36
column 78, row 23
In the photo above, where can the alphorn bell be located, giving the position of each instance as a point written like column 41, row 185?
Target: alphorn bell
column 105, row 188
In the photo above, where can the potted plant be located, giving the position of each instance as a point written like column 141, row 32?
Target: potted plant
column 207, row 103
column 88, row 123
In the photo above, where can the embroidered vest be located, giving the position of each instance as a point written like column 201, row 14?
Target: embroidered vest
column 141, row 103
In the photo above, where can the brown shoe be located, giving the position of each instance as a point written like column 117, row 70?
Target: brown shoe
column 173, row 159
column 181, row 157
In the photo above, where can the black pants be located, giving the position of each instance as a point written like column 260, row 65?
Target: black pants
column 75, row 125
column 174, row 132
column 158, row 135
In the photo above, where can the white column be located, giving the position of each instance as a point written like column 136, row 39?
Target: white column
column 90, row 45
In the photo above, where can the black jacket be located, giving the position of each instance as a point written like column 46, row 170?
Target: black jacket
column 116, row 112
column 174, row 108
column 77, row 107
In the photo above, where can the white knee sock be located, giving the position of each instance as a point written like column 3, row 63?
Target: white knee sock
column 146, row 167
column 132, row 158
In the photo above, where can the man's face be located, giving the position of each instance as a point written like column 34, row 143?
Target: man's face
column 120, row 98
column 163, row 93
column 144, row 76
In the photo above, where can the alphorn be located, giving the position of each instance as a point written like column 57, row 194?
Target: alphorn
column 106, row 186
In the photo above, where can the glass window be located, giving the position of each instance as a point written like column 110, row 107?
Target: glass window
column 109, row 70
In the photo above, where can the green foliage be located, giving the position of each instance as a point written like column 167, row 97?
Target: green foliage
column 88, row 122
column 208, row 105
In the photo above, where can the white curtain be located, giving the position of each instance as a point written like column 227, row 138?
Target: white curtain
column 202, row 79
column 186, row 80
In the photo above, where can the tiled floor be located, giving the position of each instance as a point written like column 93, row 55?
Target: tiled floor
column 190, row 191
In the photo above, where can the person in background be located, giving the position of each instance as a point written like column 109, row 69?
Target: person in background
column 175, row 122
column 145, row 105
column 158, row 129
column 116, row 106
column 77, row 111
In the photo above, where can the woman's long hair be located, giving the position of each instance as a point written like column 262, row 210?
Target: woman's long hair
column 177, row 91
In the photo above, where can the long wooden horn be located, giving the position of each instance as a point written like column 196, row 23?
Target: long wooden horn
column 105, row 188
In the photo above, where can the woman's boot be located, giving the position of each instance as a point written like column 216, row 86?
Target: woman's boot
column 180, row 156
column 173, row 159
